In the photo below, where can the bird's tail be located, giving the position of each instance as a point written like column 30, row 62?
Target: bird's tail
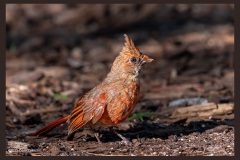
column 51, row 126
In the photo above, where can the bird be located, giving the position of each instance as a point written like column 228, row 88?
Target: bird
column 113, row 100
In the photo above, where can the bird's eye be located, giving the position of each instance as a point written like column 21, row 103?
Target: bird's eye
column 133, row 59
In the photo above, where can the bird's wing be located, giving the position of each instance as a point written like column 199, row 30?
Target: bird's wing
column 90, row 107
column 97, row 107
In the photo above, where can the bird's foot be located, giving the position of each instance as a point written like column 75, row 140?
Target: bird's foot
column 124, row 139
column 127, row 142
column 97, row 137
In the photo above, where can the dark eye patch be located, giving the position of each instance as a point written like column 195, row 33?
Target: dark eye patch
column 133, row 59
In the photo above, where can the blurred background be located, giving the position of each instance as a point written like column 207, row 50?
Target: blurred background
column 57, row 52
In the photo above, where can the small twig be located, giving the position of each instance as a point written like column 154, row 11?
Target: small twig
column 19, row 113
column 204, row 110
column 136, row 133
column 14, row 109
column 98, row 154
column 20, row 101
column 10, row 124
column 36, row 154
column 45, row 110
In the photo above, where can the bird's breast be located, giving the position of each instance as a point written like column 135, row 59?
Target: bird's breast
column 120, row 103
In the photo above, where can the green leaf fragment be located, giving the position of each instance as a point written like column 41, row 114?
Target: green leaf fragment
column 59, row 96
column 139, row 115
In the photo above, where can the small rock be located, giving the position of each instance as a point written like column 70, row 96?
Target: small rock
column 134, row 140
column 77, row 53
column 76, row 58
column 188, row 102
column 16, row 120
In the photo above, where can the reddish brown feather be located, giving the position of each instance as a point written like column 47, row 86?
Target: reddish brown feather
column 85, row 112
column 51, row 126
column 98, row 114
column 76, row 120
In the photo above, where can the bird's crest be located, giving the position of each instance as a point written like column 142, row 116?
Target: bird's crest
column 129, row 48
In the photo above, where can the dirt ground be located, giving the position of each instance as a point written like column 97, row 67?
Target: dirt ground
column 56, row 53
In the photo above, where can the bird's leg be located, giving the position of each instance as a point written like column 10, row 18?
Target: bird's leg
column 91, row 132
column 97, row 137
column 124, row 139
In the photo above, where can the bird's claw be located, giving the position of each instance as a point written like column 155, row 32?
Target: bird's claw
column 126, row 142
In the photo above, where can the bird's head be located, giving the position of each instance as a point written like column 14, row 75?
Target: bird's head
column 130, row 59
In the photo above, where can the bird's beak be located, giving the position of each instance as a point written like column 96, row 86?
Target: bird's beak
column 146, row 59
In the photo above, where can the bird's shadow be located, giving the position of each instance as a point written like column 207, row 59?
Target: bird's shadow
column 153, row 130
column 145, row 129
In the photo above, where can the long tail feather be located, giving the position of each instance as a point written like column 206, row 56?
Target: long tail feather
column 51, row 126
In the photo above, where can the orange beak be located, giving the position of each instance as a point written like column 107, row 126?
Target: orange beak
column 146, row 59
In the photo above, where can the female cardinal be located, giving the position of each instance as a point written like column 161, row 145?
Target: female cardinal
column 112, row 101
